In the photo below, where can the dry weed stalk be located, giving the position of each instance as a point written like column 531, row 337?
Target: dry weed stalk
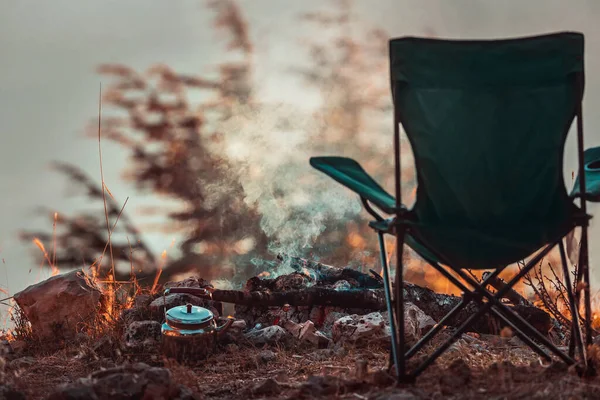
column 548, row 287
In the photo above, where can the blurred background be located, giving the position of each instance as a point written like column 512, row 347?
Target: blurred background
column 210, row 112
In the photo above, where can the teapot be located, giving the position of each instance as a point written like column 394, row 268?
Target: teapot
column 190, row 332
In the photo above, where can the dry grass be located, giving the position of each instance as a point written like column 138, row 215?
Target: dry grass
column 490, row 367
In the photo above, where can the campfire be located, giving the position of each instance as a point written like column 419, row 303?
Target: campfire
column 316, row 312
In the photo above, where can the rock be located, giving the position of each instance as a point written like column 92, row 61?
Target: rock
column 58, row 306
column 269, row 387
column 375, row 326
column 238, row 324
column 235, row 332
column 142, row 301
column 140, row 311
column 330, row 318
column 8, row 393
column 342, row 285
column 157, row 307
column 269, row 335
column 306, row 332
column 143, row 336
column 267, row 356
column 417, row 318
column 355, row 328
column 135, row 381
column 316, row 386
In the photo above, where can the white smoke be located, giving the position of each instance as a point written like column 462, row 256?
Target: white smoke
column 271, row 146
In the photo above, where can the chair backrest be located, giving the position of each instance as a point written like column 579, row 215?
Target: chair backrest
column 487, row 121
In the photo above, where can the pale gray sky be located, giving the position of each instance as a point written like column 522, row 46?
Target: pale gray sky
column 49, row 90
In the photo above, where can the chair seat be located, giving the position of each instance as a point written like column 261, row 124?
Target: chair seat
column 463, row 248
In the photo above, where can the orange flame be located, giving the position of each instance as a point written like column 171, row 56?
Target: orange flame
column 264, row 274
column 159, row 272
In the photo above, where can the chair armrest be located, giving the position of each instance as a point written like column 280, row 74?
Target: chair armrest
column 591, row 161
column 350, row 174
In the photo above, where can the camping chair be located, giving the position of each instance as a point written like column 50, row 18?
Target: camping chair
column 487, row 121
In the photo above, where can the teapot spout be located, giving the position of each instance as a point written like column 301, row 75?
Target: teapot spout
column 223, row 328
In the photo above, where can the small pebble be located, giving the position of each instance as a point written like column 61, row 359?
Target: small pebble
column 267, row 356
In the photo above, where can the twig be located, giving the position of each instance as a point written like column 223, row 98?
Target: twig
column 113, row 229
column 112, row 260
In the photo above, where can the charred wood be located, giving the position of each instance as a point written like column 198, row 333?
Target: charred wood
column 327, row 274
column 433, row 304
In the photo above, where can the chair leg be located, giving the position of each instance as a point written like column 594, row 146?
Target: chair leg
column 575, row 320
column 400, row 232
column 388, row 300
column 584, row 268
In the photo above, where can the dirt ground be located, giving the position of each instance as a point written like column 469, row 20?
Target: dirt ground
column 474, row 368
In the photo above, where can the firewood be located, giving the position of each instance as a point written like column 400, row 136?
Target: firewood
column 433, row 304
column 327, row 274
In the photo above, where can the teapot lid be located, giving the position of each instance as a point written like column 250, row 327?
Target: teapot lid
column 189, row 314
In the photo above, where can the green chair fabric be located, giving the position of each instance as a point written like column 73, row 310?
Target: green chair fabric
column 487, row 122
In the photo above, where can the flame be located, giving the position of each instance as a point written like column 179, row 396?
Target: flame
column 163, row 256
column 356, row 240
column 110, row 296
column 264, row 274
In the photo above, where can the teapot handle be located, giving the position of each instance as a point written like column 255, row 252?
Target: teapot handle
column 223, row 328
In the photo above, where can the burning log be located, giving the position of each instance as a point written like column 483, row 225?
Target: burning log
column 327, row 274
column 317, row 286
column 433, row 304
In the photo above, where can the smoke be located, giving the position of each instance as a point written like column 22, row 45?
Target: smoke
column 270, row 146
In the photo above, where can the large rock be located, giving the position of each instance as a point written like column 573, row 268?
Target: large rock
column 270, row 335
column 306, row 332
column 137, row 381
column 374, row 327
column 59, row 306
